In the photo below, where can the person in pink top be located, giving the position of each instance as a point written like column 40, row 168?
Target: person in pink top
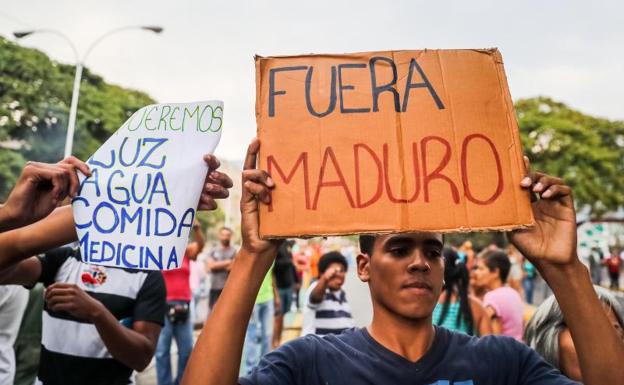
column 178, row 323
column 503, row 304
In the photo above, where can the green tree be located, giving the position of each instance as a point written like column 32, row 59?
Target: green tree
column 35, row 94
column 587, row 152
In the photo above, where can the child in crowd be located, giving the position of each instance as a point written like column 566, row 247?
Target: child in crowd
column 327, row 310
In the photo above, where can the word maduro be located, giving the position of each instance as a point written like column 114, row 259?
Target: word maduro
column 424, row 173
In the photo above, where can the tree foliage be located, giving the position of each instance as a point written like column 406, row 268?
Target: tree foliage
column 35, row 95
column 587, row 152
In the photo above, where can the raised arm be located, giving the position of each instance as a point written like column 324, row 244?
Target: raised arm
column 318, row 293
column 551, row 246
column 217, row 354
column 197, row 245
column 39, row 189
column 57, row 229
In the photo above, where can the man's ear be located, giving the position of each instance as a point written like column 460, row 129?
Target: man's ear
column 363, row 267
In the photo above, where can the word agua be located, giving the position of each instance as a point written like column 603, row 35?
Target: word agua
column 424, row 173
column 127, row 210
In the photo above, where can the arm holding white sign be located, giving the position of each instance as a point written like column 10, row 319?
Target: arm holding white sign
column 39, row 189
column 134, row 346
column 58, row 228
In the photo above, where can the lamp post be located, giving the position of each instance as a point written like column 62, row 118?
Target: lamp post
column 69, row 140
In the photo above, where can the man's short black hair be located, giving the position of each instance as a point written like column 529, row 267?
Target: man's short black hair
column 329, row 258
column 366, row 244
column 498, row 260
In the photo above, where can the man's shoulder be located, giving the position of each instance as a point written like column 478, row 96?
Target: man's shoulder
column 313, row 342
column 488, row 345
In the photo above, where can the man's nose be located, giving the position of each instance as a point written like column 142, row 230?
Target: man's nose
column 418, row 263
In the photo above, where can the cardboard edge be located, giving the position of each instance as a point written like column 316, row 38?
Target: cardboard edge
column 513, row 122
column 488, row 51
column 504, row 228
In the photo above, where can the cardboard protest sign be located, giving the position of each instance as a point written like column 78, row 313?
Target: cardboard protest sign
column 137, row 208
column 389, row 142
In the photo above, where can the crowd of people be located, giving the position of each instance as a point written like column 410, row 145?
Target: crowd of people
column 441, row 314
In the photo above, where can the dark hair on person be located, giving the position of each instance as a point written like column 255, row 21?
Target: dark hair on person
column 498, row 260
column 456, row 281
column 366, row 244
column 329, row 258
column 226, row 228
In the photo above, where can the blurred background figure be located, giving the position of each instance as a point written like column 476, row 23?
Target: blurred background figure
column 548, row 334
column 503, row 304
column 178, row 324
column 259, row 336
column 466, row 254
column 595, row 264
column 529, row 274
column 456, row 309
column 614, row 265
column 13, row 300
column 28, row 343
column 514, row 280
column 285, row 280
column 218, row 264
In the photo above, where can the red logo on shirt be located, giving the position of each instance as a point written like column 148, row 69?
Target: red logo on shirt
column 93, row 276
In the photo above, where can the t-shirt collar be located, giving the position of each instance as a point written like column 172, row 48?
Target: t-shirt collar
column 430, row 358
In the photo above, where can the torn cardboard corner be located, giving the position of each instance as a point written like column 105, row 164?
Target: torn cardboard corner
column 390, row 141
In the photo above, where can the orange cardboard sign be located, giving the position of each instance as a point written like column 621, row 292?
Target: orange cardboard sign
column 389, row 142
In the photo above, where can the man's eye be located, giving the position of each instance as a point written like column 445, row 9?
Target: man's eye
column 433, row 254
column 400, row 251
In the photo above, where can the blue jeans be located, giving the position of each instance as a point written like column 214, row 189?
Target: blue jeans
column 259, row 334
column 528, row 285
column 183, row 334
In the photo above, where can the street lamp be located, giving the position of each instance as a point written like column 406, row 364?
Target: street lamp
column 69, row 140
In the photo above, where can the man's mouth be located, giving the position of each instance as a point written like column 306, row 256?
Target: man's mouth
column 418, row 287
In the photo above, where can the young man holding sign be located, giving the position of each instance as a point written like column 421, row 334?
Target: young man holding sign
column 99, row 323
column 405, row 277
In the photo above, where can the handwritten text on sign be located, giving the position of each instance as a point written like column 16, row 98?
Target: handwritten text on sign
column 137, row 208
column 389, row 142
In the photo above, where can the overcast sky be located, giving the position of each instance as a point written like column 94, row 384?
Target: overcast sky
column 572, row 51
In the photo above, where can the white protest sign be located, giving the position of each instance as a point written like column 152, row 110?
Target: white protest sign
column 136, row 210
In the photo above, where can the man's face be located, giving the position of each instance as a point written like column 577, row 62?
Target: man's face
column 482, row 275
column 225, row 236
column 405, row 273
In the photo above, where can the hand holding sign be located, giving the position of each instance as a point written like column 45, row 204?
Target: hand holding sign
column 216, row 185
column 553, row 238
column 39, row 189
column 137, row 208
column 257, row 186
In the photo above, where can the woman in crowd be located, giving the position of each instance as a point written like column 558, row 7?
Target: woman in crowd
column 456, row 309
column 549, row 335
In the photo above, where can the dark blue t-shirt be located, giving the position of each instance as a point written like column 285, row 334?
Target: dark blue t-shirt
column 354, row 357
